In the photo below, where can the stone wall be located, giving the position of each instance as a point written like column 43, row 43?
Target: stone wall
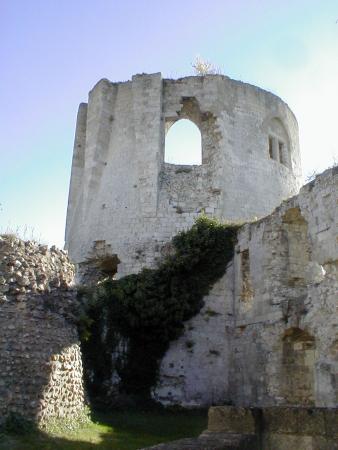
column 283, row 332
column 268, row 332
column 194, row 370
column 41, row 367
column 274, row 312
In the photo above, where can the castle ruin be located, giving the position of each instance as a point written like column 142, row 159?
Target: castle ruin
column 267, row 334
column 125, row 197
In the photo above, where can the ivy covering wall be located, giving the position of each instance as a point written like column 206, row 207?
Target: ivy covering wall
column 137, row 316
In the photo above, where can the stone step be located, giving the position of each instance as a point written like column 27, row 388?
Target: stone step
column 211, row 441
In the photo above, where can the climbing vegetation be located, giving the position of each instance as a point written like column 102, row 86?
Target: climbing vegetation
column 126, row 325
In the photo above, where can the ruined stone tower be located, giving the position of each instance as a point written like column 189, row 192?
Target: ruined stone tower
column 267, row 334
column 126, row 200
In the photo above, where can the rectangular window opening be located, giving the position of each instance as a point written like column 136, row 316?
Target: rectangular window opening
column 271, row 147
column 281, row 149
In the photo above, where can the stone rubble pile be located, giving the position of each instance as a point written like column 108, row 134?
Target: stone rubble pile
column 29, row 267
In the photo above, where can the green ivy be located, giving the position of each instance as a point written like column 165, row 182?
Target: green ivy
column 141, row 314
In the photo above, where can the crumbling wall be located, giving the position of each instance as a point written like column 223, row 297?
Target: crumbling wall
column 267, row 334
column 285, row 327
column 278, row 293
column 41, row 367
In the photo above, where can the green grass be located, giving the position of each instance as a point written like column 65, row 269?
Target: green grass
column 115, row 431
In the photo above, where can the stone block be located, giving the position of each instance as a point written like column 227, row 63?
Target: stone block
column 231, row 419
column 300, row 421
column 287, row 442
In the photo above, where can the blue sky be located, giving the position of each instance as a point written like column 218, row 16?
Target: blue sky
column 53, row 51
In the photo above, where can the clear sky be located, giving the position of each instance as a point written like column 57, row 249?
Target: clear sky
column 53, row 51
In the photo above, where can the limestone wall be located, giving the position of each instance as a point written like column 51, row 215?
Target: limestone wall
column 284, row 330
column 41, row 368
column 194, row 369
column 124, row 194
column 268, row 332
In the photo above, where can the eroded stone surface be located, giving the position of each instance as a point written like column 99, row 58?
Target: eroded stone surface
column 272, row 320
column 41, row 367
column 267, row 334
column 124, row 194
column 284, row 339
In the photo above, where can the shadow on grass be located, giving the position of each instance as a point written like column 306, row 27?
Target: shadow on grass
column 119, row 430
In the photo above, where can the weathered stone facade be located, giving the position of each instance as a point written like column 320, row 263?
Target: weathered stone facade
column 267, row 334
column 122, row 193
column 41, row 367
column 284, row 334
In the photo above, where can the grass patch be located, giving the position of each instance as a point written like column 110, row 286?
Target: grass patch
column 115, row 431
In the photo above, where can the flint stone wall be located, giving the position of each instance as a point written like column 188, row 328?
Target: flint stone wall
column 41, row 367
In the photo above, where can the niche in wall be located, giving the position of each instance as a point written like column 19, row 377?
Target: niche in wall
column 296, row 229
column 298, row 364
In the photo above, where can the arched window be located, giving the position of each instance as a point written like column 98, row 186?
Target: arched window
column 183, row 144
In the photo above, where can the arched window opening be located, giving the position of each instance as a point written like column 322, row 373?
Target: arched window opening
column 183, row 144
